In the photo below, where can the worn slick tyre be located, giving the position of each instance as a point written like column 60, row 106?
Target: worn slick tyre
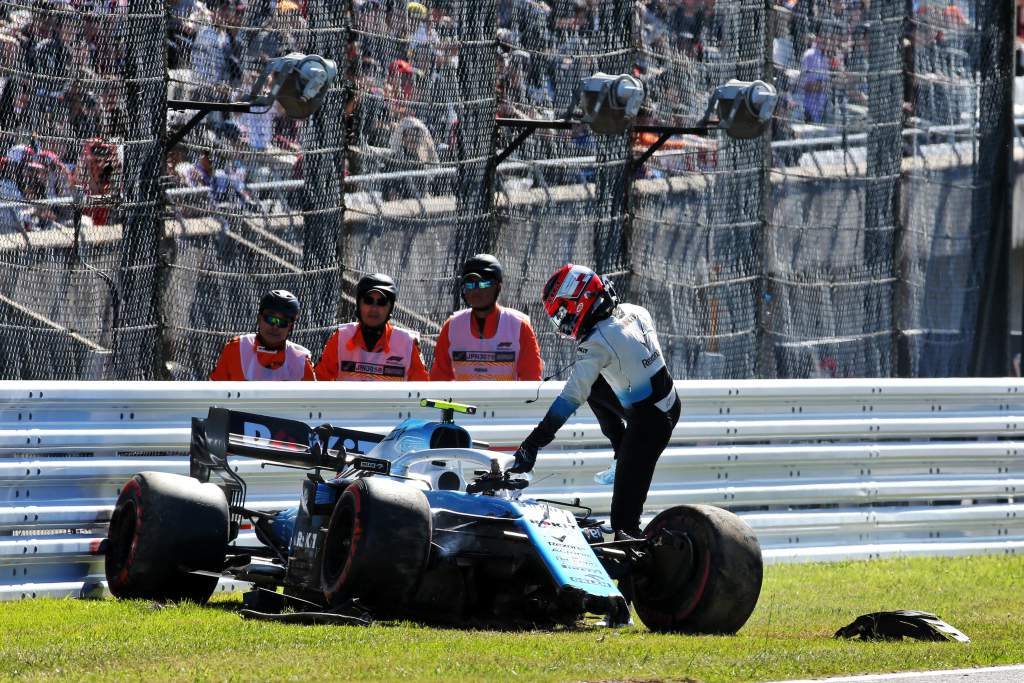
column 377, row 544
column 704, row 578
column 163, row 526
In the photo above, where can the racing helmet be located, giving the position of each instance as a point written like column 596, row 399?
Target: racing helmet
column 281, row 301
column 484, row 265
column 575, row 298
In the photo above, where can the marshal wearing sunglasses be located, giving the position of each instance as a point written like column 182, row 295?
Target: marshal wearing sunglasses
column 485, row 341
column 372, row 348
column 267, row 355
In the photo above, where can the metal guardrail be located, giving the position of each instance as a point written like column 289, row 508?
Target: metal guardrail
column 822, row 469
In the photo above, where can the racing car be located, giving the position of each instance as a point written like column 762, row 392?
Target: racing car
column 422, row 523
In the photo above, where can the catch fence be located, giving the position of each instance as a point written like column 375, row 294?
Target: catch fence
column 863, row 237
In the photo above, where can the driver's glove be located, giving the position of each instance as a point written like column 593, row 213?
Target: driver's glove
column 526, row 458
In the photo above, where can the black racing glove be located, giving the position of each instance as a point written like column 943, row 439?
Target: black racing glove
column 526, row 458
column 526, row 454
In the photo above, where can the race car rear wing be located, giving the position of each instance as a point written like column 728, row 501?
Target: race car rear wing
column 287, row 442
column 290, row 443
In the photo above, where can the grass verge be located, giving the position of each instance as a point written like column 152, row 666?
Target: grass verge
column 788, row 636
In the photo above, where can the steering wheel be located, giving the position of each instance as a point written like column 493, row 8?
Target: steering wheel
column 489, row 483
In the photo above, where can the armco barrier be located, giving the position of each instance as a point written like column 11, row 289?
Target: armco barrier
column 822, row 469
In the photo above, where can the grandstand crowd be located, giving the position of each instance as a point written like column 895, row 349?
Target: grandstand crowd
column 65, row 132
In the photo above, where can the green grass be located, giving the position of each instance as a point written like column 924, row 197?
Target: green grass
column 788, row 636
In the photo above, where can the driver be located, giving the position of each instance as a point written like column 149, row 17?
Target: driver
column 267, row 355
column 621, row 374
column 371, row 348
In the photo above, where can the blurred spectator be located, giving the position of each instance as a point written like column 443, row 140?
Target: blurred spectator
column 10, row 214
column 177, row 166
column 83, row 111
column 56, row 176
column 412, row 148
column 45, row 53
column 814, row 81
column 114, row 118
column 284, row 31
column 214, row 64
column 782, row 44
column 32, row 181
column 10, row 88
column 400, row 79
column 420, row 33
column 514, row 96
column 688, row 25
column 99, row 166
column 198, row 173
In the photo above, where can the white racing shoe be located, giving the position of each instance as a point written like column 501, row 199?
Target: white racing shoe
column 606, row 477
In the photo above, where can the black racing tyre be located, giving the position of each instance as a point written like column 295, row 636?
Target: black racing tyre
column 163, row 526
column 377, row 544
column 704, row 574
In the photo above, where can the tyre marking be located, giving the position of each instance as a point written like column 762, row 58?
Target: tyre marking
column 132, row 486
column 357, row 534
column 685, row 612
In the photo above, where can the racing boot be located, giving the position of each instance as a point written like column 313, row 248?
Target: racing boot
column 606, row 477
column 620, row 617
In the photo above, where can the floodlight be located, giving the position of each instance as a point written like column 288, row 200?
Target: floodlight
column 745, row 107
column 297, row 81
column 610, row 103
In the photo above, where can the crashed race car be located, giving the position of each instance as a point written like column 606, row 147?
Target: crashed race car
column 397, row 529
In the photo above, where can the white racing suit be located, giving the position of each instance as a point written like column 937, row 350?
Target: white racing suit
column 620, row 372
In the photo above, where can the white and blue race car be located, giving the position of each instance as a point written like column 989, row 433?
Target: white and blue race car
column 371, row 538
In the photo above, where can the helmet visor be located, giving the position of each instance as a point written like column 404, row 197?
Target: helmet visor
column 564, row 321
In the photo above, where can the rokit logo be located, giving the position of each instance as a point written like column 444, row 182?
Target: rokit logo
column 305, row 539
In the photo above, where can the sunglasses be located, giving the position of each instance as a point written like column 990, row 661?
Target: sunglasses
column 276, row 320
column 478, row 284
column 374, row 301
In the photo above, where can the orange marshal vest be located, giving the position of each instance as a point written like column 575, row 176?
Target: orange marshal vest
column 358, row 364
column 292, row 370
column 484, row 359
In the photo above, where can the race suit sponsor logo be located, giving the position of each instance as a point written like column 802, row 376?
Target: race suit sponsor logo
column 650, row 360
